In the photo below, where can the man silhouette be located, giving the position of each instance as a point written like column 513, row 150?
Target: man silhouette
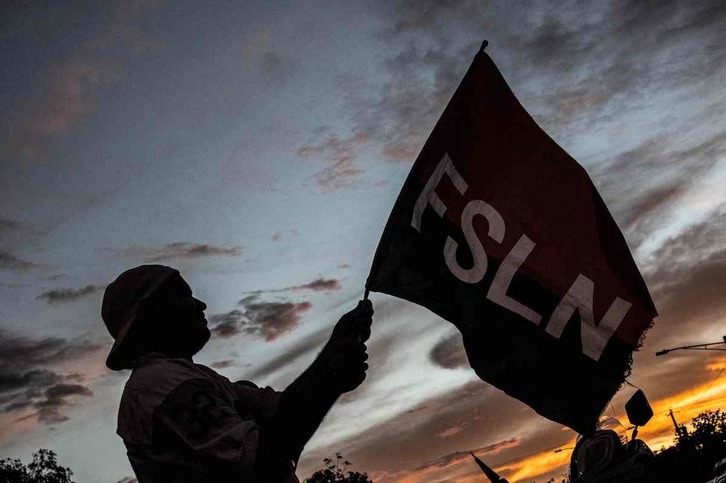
column 183, row 422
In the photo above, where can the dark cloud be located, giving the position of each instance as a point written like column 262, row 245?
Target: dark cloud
column 318, row 285
column 128, row 479
column 449, row 353
column 268, row 320
column 644, row 183
column 284, row 234
column 306, row 347
column 9, row 261
column 68, row 294
column 687, row 279
column 459, row 457
column 690, row 300
column 697, row 244
column 491, row 423
column 228, row 324
column 223, row 364
column 25, row 351
column 57, row 397
column 26, row 383
column 181, row 250
column 575, row 73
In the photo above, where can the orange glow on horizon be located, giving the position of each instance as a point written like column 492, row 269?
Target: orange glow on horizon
column 537, row 465
column 659, row 432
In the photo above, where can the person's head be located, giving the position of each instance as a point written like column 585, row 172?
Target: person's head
column 151, row 309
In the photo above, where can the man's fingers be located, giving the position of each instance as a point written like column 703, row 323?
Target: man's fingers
column 365, row 305
column 364, row 334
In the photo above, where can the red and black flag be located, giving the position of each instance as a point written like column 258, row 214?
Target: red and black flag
column 499, row 231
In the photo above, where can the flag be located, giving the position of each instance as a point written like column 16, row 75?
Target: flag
column 499, row 231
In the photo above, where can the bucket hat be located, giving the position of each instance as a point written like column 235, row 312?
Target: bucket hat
column 120, row 308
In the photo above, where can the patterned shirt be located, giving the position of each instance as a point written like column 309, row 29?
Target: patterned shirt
column 182, row 422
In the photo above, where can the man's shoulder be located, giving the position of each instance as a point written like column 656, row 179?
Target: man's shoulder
column 151, row 371
column 149, row 385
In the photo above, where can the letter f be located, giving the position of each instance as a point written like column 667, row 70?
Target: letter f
column 429, row 197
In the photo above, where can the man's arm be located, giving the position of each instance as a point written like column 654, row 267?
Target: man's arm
column 200, row 426
column 339, row 368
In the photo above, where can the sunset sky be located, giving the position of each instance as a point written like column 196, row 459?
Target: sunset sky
column 258, row 147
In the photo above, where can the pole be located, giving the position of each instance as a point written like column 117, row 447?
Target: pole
column 697, row 347
column 678, row 428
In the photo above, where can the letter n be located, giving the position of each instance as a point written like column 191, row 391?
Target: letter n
column 594, row 336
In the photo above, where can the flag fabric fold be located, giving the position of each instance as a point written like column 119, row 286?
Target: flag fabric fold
column 499, row 231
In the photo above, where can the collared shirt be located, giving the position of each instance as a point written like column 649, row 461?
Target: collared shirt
column 182, row 422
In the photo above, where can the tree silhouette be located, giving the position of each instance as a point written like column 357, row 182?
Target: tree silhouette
column 710, row 425
column 335, row 471
column 709, row 431
column 43, row 469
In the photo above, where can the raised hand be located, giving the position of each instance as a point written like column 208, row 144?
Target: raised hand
column 344, row 357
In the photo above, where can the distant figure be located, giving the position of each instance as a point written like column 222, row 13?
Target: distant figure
column 182, row 422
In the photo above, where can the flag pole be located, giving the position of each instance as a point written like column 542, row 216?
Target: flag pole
column 367, row 291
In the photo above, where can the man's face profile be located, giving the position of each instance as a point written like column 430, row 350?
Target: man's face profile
column 174, row 320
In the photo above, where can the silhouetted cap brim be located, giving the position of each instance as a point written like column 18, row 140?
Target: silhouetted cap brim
column 122, row 354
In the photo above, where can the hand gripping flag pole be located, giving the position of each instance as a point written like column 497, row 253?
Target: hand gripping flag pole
column 500, row 232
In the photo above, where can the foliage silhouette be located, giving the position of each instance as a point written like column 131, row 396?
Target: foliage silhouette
column 709, row 431
column 335, row 471
column 43, row 469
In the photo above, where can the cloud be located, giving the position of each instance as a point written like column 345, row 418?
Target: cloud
column 489, row 421
column 68, row 294
column 695, row 244
column 317, row 285
column 268, row 320
column 320, row 285
column 576, row 74
column 340, row 153
column 449, row 353
column 26, row 383
column 284, row 234
column 223, row 364
column 648, row 181
column 55, row 398
column 689, row 305
column 180, row 250
column 307, row 346
column 459, row 457
column 11, row 262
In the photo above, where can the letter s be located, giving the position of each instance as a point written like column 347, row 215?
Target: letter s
column 496, row 231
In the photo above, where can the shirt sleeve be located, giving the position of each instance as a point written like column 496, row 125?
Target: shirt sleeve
column 260, row 403
column 207, row 426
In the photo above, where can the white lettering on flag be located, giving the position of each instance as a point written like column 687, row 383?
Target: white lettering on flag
column 580, row 298
column 429, row 196
column 496, row 232
column 503, row 277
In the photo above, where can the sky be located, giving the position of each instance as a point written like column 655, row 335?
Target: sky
column 258, row 147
